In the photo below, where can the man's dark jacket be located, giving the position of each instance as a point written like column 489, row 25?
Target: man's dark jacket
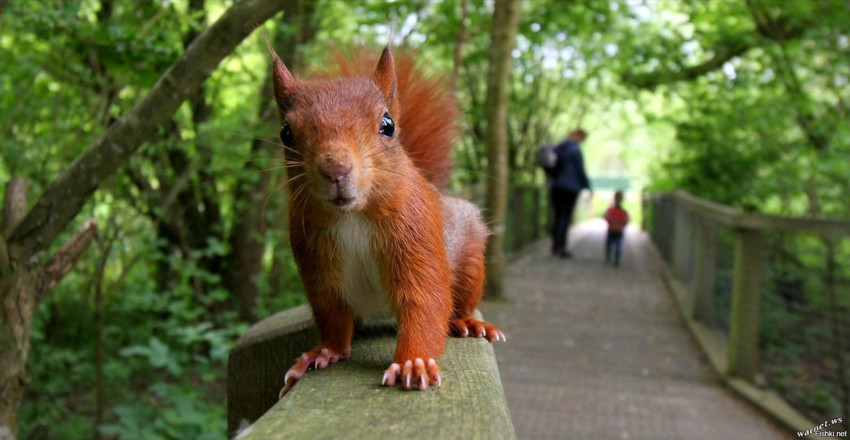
column 569, row 174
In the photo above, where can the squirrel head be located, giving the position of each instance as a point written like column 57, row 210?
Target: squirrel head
column 340, row 135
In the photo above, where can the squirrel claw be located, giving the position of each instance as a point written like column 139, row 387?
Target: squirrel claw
column 416, row 372
column 289, row 380
column 496, row 335
column 463, row 327
column 319, row 359
column 390, row 375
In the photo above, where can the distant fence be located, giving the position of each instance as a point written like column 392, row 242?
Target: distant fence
column 528, row 213
column 772, row 294
column 528, row 216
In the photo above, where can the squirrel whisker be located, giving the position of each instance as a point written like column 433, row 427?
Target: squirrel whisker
column 376, row 151
column 292, row 179
column 290, row 149
column 387, row 170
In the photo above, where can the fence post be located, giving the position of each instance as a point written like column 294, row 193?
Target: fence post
column 705, row 262
column 516, row 205
column 535, row 208
column 746, row 304
column 681, row 236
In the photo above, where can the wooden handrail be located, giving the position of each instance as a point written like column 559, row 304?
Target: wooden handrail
column 685, row 227
column 729, row 216
column 346, row 400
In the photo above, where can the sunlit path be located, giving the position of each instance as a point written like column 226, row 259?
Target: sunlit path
column 596, row 352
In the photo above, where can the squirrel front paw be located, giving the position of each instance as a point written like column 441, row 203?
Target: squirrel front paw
column 465, row 327
column 319, row 358
column 416, row 372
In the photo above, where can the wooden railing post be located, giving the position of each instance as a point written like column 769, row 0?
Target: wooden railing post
column 746, row 304
column 681, row 236
column 518, row 217
column 536, row 214
column 705, row 262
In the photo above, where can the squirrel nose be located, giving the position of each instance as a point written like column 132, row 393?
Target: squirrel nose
column 334, row 171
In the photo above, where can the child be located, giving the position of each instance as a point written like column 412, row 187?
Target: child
column 617, row 218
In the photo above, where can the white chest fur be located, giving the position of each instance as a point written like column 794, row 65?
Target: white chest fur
column 361, row 285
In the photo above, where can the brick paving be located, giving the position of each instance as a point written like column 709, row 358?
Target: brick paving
column 597, row 352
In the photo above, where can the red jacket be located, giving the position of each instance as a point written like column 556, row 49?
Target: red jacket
column 617, row 218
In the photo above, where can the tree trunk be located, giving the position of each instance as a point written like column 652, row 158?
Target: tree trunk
column 459, row 43
column 245, row 264
column 23, row 285
column 503, row 39
column 15, row 317
column 15, row 309
column 24, row 282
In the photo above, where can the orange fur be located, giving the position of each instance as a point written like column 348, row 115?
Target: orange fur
column 368, row 227
column 429, row 109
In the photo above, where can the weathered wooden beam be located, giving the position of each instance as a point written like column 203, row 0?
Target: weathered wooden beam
column 346, row 400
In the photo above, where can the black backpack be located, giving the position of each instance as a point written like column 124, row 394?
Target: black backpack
column 547, row 158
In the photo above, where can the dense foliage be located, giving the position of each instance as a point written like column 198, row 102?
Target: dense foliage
column 742, row 101
column 758, row 99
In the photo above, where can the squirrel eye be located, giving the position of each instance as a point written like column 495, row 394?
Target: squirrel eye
column 387, row 126
column 286, row 135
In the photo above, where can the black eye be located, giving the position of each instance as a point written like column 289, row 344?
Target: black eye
column 286, row 135
column 387, row 125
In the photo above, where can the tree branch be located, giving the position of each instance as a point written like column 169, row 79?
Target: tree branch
column 65, row 258
column 65, row 197
column 777, row 29
column 736, row 46
column 774, row 28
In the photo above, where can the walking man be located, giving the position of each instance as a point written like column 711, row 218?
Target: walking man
column 566, row 181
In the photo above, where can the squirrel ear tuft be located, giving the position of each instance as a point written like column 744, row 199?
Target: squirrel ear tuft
column 284, row 84
column 385, row 78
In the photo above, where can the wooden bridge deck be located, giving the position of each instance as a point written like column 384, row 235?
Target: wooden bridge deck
column 600, row 352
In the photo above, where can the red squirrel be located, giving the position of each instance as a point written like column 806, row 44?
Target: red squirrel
column 370, row 231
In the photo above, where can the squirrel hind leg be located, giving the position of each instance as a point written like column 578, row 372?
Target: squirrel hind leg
column 467, row 291
column 319, row 358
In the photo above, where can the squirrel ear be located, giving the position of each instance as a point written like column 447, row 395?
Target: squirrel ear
column 284, row 84
column 385, row 78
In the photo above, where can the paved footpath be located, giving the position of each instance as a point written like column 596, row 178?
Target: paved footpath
column 597, row 352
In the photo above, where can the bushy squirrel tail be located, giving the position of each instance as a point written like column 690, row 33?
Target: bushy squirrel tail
column 429, row 108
